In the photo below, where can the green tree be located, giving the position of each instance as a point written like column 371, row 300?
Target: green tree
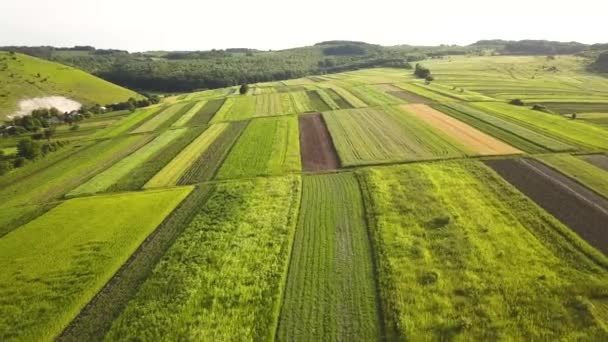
column 28, row 149
column 244, row 89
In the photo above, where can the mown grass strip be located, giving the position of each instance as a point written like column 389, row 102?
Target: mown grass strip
column 188, row 115
column 269, row 146
column 443, row 234
column 96, row 318
column 12, row 218
column 137, row 178
column 330, row 291
column 205, row 114
column 125, row 167
column 173, row 171
column 55, row 264
column 130, row 121
column 208, row 164
column 164, row 118
column 225, row 269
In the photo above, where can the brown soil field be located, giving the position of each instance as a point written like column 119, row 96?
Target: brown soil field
column 477, row 141
column 317, row 149
column 599, row 160
column 585, row 212
column 405, row 95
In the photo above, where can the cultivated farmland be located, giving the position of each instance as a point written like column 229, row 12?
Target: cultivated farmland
column 266, row 147
column 368, row 205
column 330, row 285
column 57, row 262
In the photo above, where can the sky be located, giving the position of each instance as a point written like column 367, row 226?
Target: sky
column 146, row 25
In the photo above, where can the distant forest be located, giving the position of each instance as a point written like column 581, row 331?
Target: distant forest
column 181, row 71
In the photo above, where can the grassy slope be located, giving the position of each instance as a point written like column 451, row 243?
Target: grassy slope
column 226, row 270
column 61, row 80
column 452, row 239
column 331, row 283
column 58, row 262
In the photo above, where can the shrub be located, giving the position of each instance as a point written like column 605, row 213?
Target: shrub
column 244, row 89
column 517, row 102
column 429, row 278
column 421, row 72
column 19, row 162
column 542, row 108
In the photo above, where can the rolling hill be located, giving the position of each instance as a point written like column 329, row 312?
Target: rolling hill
column 24, row 77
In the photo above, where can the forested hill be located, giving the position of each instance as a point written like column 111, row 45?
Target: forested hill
column 179, row 71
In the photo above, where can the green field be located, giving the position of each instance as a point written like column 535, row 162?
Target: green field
column 268, row 146
column 580, row 170
column 226, row 269
column 165, row 118
column 174, row 170
column 19, row 80
column 127, row 165
column 129, row 122
column 236, row 108
column 452, row 239
column 187, row 116
column 274, row 104
column 385, row 135
column 57, row 262
column 331, row 284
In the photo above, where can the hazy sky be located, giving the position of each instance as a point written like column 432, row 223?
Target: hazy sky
column 138, row 25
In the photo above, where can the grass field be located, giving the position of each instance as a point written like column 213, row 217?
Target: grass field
column 205, row 114
column 580, row 170
column 129, row 122
column 268, row 146
column 236, row 108
column 60, row 177
column 174, row 170
column 274, row 104
column 226, row 270
column 385, row 135
column 127, row 165
column 517, row 135
column 209, row 162
column 187, row 116
column 583, row 134
column 165, row 118
column 57, row 262
column 19, row 81
column 451, row 239
column 331, row 284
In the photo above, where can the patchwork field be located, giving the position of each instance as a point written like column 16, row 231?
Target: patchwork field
column 57, row 262
column 385, row 135
column 366, row 205
column 451, row 239
column 266, row 147
column 330, row 285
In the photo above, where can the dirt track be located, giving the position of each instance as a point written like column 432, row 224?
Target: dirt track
column 582, row 210
column 317, row 149
column 472, row 138
column 598, row 160
column 405, row 95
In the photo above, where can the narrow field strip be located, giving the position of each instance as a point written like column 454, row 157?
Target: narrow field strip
column 583, row 134
column 55, row 181
column 96, row 318
column 329, row 100
column 174, row 170
column 599, row 160
column 385, row 135
column 584, row 211
column 373, row 96
column 517, row 135
column 349, row 98
column 316, row 147
column 330, row 291
column 162, row 118
column 269, row 146
column 59, row 261
column 273, row 104
column 129, row 122
column 451, row 238
column 187, row 116
column 124, row 167
column 226, row 269
column 205, row 114
column 236, row 108
column 302, row 102
column 207, row 165
column 576, row 168
column 476, row 141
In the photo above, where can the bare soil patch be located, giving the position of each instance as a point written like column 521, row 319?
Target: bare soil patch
column 316, row 147
column 585, row 212
column 598, row 160
column 472, row 138
column 404, row 95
